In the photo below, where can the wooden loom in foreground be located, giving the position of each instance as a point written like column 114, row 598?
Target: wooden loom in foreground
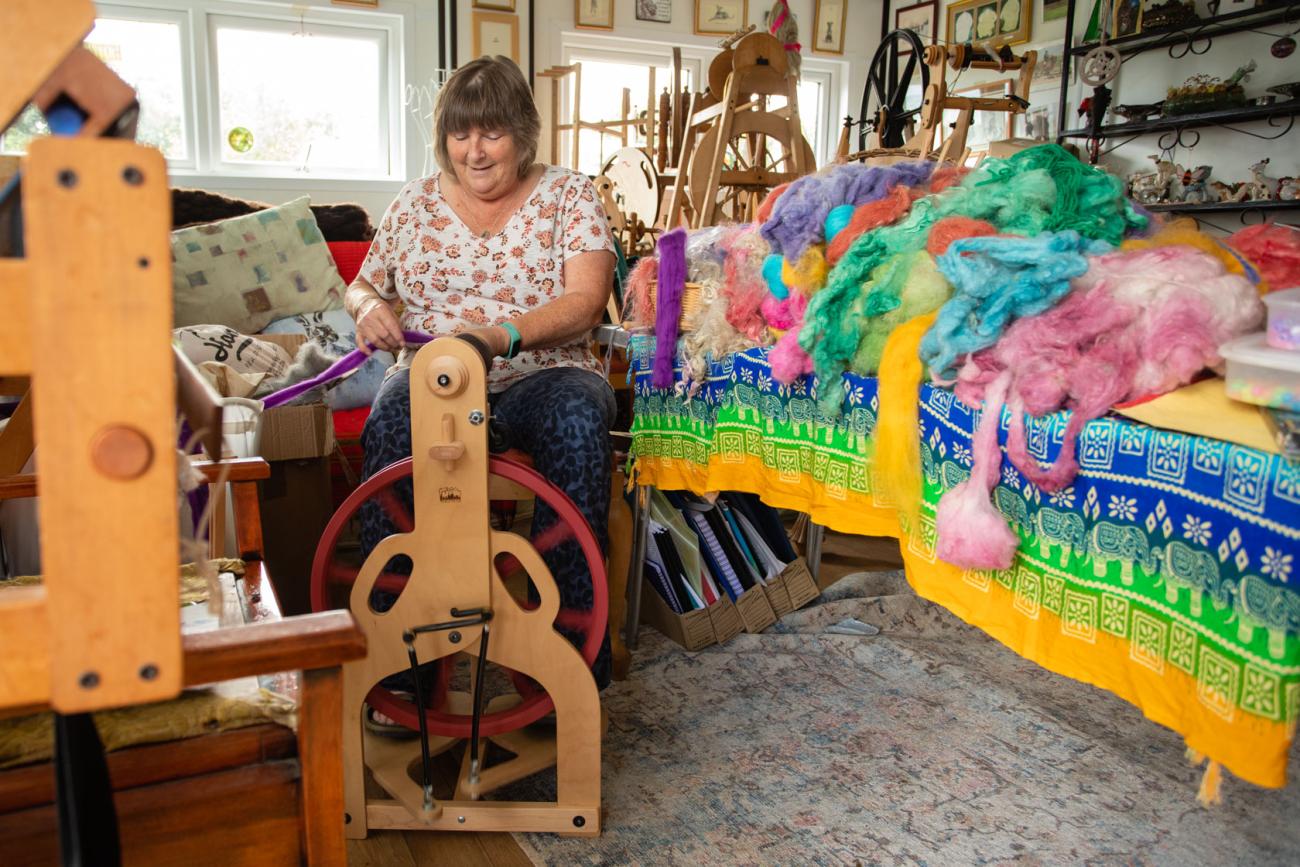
column 86, row 294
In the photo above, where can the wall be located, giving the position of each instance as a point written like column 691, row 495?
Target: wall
column 1145, row 78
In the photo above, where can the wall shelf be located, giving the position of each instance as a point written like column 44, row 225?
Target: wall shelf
column 1203, row 30
column 1224, row 207
column 1279, row 110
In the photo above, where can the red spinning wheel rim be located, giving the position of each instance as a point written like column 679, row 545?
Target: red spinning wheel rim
column 536, row 703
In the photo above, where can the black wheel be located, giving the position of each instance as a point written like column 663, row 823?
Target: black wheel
column 889, row 85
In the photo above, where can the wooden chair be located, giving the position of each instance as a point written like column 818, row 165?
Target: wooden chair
column 257, row 795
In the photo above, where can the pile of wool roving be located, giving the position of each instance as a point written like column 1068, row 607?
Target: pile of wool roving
column 1049, row 291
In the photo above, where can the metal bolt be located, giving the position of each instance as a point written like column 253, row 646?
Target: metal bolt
column 148, row 671
column 133, row 176
column 476, row 416
column 579, row 821
column 142, row 262
column 67, row 178
column 444, row 380
column 89, row 680
column 454, row 638
column 460, row 819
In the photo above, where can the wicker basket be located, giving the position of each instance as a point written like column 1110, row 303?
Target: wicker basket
column 692, row 301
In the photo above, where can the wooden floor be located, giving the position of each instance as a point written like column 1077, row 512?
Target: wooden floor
column 841, row 555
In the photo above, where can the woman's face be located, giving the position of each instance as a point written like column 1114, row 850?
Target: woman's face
column 485, row 162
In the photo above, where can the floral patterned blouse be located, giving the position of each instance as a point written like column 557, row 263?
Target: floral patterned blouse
column 450, row 279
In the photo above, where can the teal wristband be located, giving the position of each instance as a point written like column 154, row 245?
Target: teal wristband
column 515, row 339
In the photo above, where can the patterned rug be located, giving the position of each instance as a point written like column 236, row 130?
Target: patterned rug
column 927, row 742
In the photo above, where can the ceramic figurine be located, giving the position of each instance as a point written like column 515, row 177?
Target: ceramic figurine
column 1150, row 188
column 1288, row 189
column 1229, row 192
column 1195, row 185
column 1260, row 187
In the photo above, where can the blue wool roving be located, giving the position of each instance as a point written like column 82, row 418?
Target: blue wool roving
column 772, row 274
column 838, row 220
column 996, row 279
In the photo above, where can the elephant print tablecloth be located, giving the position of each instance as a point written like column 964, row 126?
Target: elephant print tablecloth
column 1166, row 573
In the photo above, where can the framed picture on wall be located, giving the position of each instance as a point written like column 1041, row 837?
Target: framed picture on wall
column 828, row 26
column 659, row 11
column 1009, row 22
column 922, row 19
column 500, row 5
column 496, row 33
column 594, row 14
column 720, row 17
column 1054, row 10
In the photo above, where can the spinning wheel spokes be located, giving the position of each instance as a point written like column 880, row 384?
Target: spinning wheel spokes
column 890, row 88
column 333, row 572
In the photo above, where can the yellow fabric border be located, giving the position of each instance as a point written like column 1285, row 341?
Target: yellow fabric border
column 1254, row 749
column 856, row 513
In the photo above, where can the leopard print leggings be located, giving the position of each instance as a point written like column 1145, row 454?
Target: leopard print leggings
column 561, row 418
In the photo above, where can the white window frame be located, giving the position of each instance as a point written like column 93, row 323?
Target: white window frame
column 184, row 20
column 198, row 60
column 696, row 56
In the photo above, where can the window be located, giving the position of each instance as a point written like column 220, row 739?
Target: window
column 315, row 100
column 285, row 95
column 610, row 64
column 603, row 82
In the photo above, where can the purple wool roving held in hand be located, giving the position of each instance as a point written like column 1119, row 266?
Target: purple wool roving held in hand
column 344, row 365
column 668, row 304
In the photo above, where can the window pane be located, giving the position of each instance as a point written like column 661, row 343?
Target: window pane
column 308, row 100
column 602, row 100
column 29, row 125
column 147, row 56
column 810, row 110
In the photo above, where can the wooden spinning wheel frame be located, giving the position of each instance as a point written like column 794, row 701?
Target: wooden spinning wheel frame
column 756, row 157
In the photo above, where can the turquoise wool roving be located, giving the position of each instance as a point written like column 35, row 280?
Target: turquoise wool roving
column 998, row 278
column 838, row 220
column 772, row 274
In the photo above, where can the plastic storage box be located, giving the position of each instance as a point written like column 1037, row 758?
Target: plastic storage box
column 1284, row 319
column 1259, row 373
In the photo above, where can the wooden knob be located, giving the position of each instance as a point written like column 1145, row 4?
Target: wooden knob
column 446, row 376
column 121, row 452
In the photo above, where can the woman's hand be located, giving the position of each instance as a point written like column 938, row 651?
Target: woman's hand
column 378, row 328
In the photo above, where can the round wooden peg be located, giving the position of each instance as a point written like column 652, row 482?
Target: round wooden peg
column 121, row 452
column 446, row 376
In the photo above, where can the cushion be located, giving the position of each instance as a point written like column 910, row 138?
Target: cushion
column 248, row 271
column 336, row 333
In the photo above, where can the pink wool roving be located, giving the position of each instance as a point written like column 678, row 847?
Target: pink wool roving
column 1274, row 250
column 1138, row 323
column 743, row 288
column 638, row 308
column 972, row 533
column 788, row 360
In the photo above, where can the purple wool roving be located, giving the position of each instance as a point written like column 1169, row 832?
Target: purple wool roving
column 668, row 304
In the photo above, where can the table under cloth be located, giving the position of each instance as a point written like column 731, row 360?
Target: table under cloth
column 1165, row 573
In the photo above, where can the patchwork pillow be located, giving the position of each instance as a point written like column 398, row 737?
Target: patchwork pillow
column 248, row 271
column 336, row 333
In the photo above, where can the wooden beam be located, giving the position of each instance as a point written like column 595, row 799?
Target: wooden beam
column 15, row 324
column 308, row 642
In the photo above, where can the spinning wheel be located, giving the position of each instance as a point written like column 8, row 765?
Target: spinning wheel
column 756, row 157
column 634, row 188
column 334, row 573
column 453, row 575
column 890, row 87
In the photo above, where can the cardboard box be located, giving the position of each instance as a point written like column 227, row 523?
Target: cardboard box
column 755, row 611
column 726, row 620
column 799, row 583
column 297, row 432
column 778, row 595
column 692, row 630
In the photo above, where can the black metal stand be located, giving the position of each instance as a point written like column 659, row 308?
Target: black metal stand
column 87, row 816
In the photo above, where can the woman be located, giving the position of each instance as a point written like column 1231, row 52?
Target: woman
column 520, row 255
